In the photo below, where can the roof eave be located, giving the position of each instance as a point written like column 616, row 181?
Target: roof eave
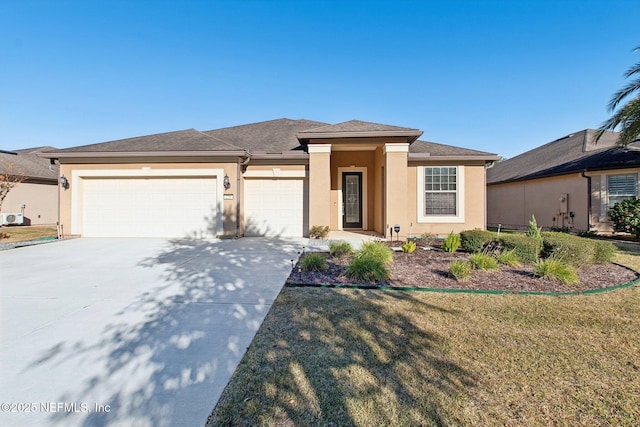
column 411, row 135
column 279, row 156
column 428, row 156
column 114, row 154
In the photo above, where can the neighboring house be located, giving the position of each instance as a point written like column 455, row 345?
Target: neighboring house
column 567, row 183
column 36, row 197
column 276, row 178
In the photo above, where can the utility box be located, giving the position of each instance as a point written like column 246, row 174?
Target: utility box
column 564, row 203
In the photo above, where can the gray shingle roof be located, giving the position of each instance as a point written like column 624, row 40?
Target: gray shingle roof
column 27, row 162
column 183, row 140
column 273, row 136
column 574, row 153
column 356, row 126
column 435, row 149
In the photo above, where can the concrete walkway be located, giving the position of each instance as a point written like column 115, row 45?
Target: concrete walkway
column 130, row 332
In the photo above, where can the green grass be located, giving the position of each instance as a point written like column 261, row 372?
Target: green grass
column 26, row 233
column 368, row 268
column 340, row 248
column 376, row 250
column 364, row 357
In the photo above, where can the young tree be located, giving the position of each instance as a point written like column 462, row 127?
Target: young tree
column 627, row 117
column 10, row 176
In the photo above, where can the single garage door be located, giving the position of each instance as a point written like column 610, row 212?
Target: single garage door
column 274, row 207
column 149, row 207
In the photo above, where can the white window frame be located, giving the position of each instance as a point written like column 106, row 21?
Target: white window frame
column 440, row 219
column 604, row 193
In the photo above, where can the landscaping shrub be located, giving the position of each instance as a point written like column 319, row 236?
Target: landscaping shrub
column 625, row 216
column 475, row 240
column 481, row 261
column 313, row 262
column 534, row 231
column 408, row 247
column 568, row 248
column 603, row 252
column 319, row 232
column 451, row 243
column 368, row 267
column 526, row 248
column 338, row 249
column 376, row 250
column 509, row 258
column 461, row 270
column 555, row 269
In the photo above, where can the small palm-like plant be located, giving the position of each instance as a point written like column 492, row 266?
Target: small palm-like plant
column 451, row 243
column 408, row 247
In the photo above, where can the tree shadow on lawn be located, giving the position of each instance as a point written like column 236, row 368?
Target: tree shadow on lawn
column 345, row 357
column 160, row 362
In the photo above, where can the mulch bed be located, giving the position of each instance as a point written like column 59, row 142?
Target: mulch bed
column 430, row 269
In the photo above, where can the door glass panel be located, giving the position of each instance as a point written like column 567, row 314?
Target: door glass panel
column 352, row 199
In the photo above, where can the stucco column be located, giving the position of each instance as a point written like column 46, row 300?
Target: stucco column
column 396, row 200
column 319, row 184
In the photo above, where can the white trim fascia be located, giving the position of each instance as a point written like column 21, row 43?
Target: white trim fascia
column 365, row 212
column 275, row 173
column 444, row 219
column 319, row 148
column 78, row 175
column 396, row 147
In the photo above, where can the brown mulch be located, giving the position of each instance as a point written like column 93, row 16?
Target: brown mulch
column 430, row 269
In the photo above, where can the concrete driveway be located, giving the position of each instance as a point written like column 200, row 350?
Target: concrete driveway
column 130, row 332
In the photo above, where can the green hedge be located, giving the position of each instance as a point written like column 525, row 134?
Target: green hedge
column 527, row 248
column 575, row 250
column 475, row 240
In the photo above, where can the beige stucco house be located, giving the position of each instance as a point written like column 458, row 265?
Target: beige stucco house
column 36, row 197
column 568, row 183
column 276, row 178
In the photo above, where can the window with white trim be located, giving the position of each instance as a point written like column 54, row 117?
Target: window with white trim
column 621, row 187
column 440, row 194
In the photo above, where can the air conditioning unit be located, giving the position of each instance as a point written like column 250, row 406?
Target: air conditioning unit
column 12, row 219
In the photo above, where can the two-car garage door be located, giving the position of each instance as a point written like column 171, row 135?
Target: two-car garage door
column 149, row 207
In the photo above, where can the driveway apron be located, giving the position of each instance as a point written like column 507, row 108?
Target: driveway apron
column 130, row 332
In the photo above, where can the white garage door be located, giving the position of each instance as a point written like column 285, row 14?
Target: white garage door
column 274, row 207
column 149, row 207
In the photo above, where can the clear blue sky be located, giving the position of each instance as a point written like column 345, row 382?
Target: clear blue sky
column 498, row 76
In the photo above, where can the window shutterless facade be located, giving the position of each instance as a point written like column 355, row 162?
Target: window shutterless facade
column 440, row 194
column 621, row 187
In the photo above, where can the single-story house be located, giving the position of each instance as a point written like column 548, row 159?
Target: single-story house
column 276, row 178
column 35, row 198
column 568, row 183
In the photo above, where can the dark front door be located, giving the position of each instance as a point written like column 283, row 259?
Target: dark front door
column 352, row 200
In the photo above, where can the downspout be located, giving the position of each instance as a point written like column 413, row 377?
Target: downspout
column 239, row 167
column 588, row 178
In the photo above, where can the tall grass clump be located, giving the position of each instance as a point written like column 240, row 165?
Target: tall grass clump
column 340, row 248
column 481, row 261
column 376, row 250
column 556, row 269
column 461, row 270
column 313, row 262
column 509, row 258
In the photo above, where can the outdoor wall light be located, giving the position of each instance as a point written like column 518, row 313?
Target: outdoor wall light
column 64, row 182
column 226, row 182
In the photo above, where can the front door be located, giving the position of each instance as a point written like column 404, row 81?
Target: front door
column 352, row 200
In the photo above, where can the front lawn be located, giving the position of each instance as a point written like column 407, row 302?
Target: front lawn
column 368, row 357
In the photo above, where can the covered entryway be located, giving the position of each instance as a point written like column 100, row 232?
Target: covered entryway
column 275, row 207
column 149, row 207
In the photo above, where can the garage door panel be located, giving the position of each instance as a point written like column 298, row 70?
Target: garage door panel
column 274, row 207
column 149, row 207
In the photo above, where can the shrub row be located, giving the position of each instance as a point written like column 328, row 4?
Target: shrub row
column 575, row 250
